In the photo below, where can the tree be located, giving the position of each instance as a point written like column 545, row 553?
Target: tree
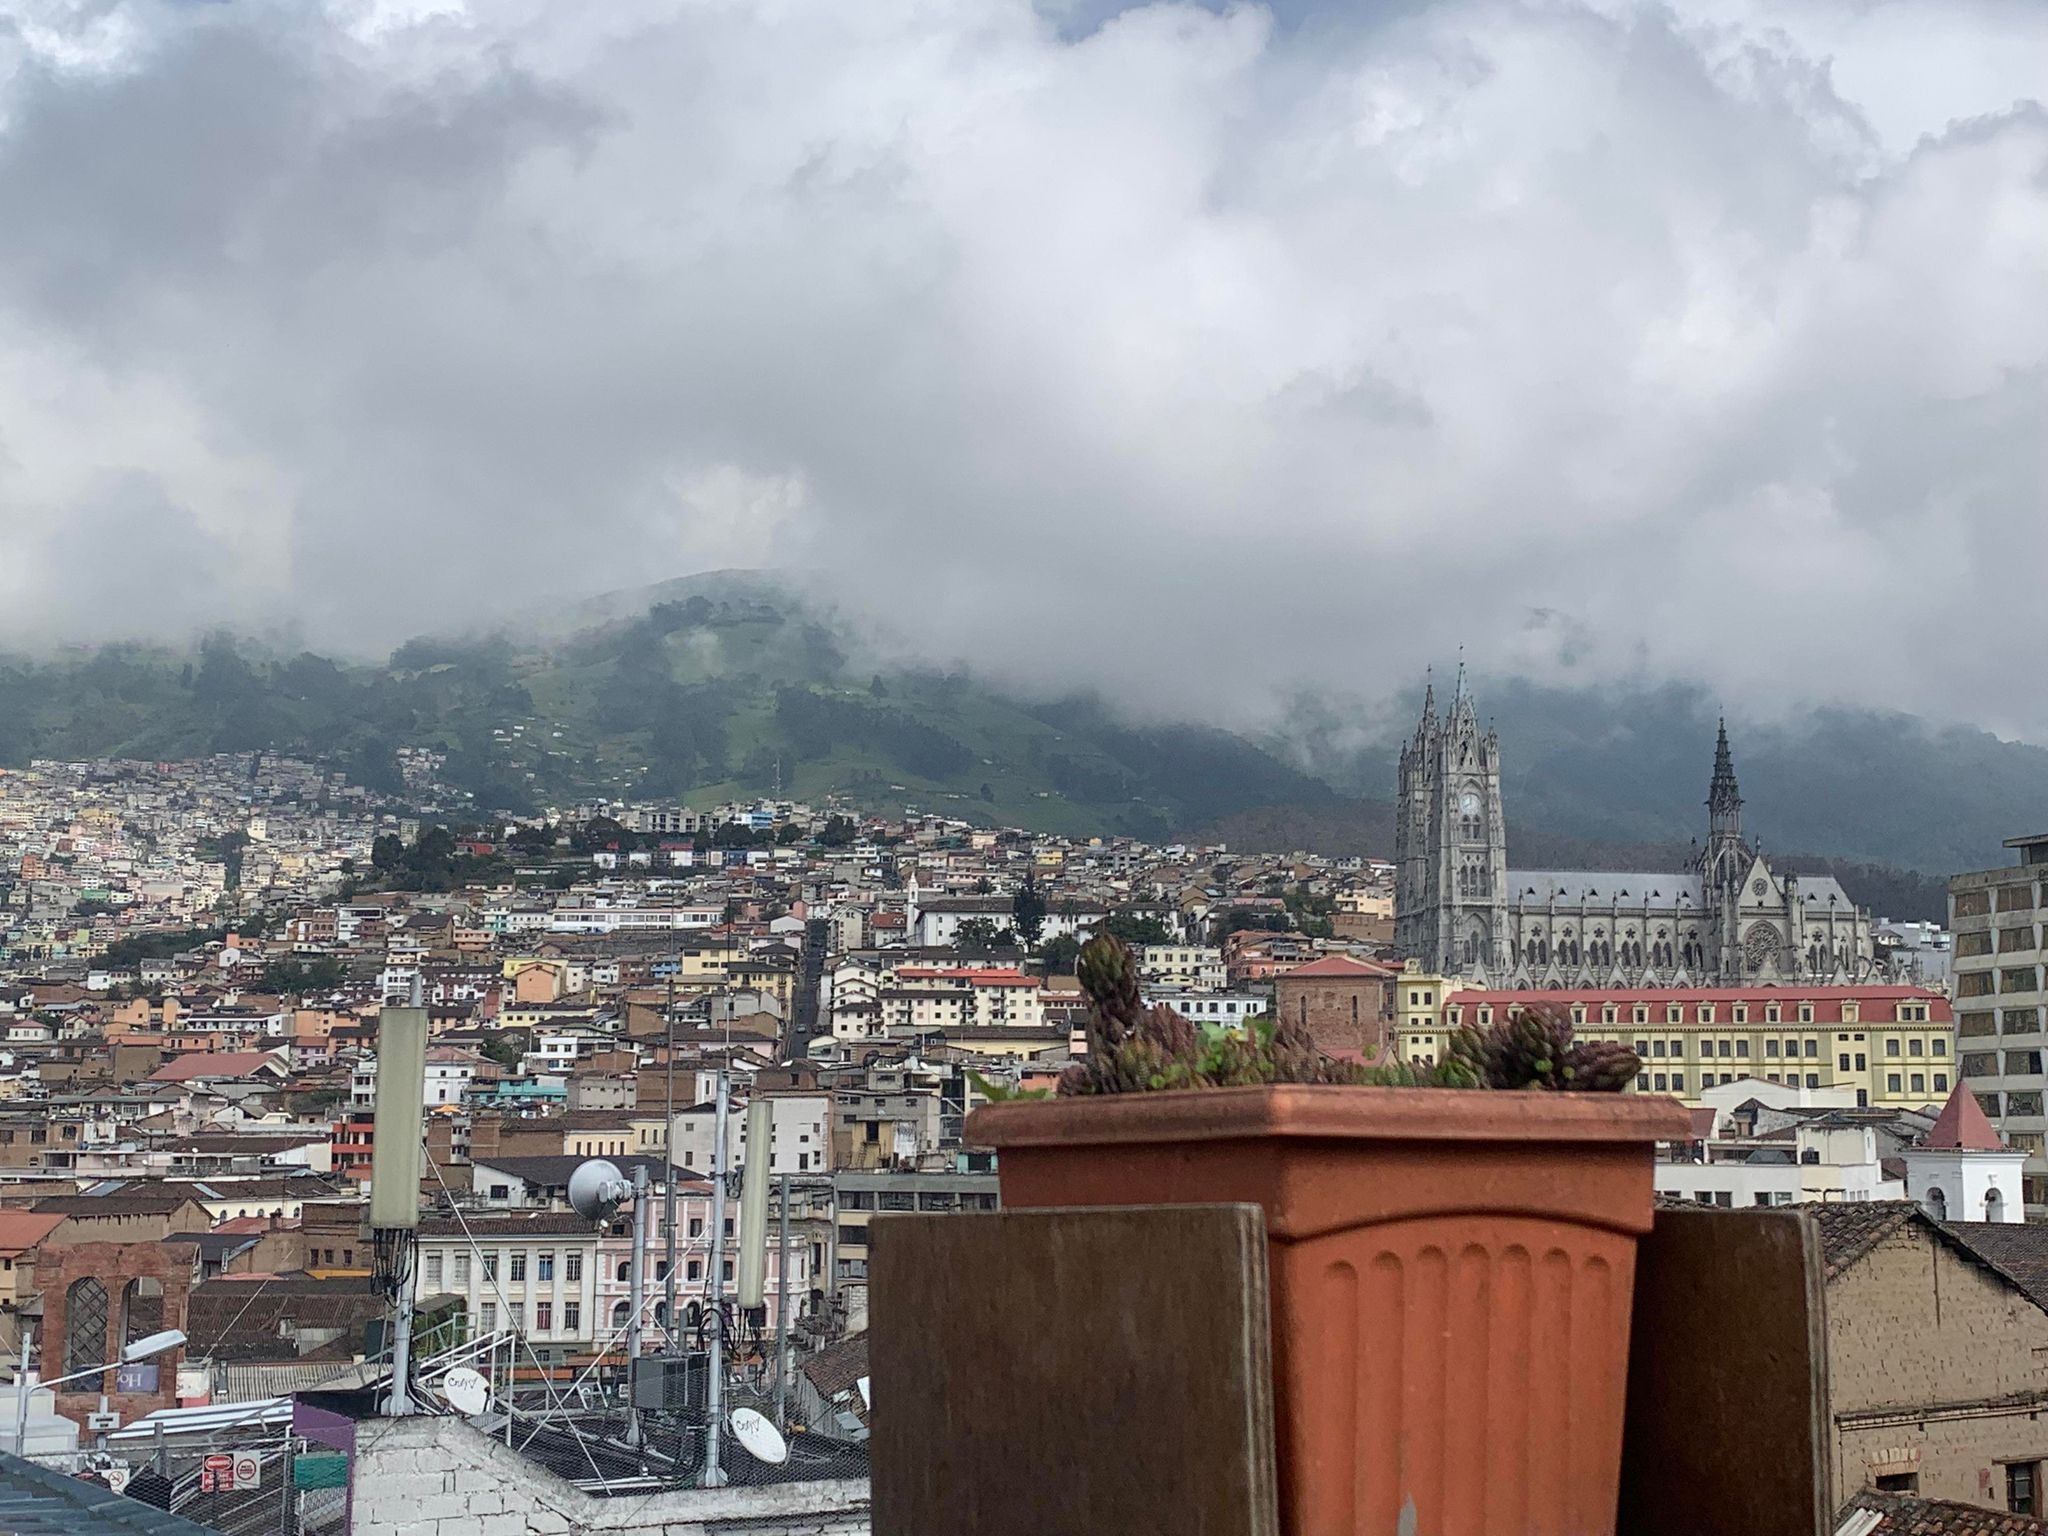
column 1058, row 954
column 1027, row 911
column 788, row 833
column 387, row 853
column 507, row 1049
column 1136, row 931
column 837, row 832
column 1238, row 918
column 982, row 933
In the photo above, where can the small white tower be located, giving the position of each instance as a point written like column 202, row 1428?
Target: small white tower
column 1963, row 1172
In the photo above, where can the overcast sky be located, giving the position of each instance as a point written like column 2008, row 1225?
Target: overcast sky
column 1204, row 354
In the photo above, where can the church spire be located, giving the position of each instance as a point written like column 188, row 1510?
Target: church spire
column 1723, row 797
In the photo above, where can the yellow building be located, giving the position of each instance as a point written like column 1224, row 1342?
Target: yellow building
column 1419, row 1005
column 1895, row 1046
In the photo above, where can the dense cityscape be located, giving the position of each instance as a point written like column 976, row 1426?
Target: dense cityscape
column 1023, row 768
column 197, row 957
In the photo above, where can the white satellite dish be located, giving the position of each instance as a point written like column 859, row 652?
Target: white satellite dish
column 758, row 1434
column 597, row 1189
column 467, row 1392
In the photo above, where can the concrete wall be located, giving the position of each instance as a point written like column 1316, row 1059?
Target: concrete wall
column 441, row 1477
column 1933, row 1367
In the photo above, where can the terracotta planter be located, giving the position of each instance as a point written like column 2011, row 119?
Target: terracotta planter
column 1451, row 1276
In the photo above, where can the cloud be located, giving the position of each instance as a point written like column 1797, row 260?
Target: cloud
column 1205, row 355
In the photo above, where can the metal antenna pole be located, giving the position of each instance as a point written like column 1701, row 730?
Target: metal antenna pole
column 668, row 1177
column 21, row 1391
column 713, row 1475
column 636, row 1282
column 782, row 1308
column 401, row 1343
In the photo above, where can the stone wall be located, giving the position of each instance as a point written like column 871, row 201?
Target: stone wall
column 441, row 1477
column 1935, row 1367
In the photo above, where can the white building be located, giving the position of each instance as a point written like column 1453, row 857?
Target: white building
column 1963, row 1171
column 798, row 1130
column 535, row 1274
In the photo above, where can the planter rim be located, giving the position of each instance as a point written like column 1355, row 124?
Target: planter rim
column 1330, row 1112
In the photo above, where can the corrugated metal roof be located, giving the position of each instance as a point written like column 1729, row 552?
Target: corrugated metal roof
column 36, row 1502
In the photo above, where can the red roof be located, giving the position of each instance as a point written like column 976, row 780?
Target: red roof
column 22, row 1230
column 1877, row 1005
column 212, row 1064
column 1345, row 967
column 1962, row 1127
column 980, row 976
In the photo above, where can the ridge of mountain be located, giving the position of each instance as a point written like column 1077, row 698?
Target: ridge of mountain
column 729, row 684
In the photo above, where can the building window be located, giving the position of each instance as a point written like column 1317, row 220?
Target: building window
column 1741, row 1013
column 1812, row 1045
column 1939, row 1048
column 462, row 1271
column 1893, row 1083
column 1941, row 1082
column 142, row 1309
column 1656, row 1048
column 572, row 1316
column 543, row 1317
column 2023, row 1487
column 1915, row 1046
column 695, row 1271
column 518, row 1266
column 1678, row 1082
column 85, row 1329
column 1842, row 1062
column 545, row 1267
column 490, row 1266
column 572, row 1267
column 487, row 1317
column 432, row 1276
column 1742, row 1049
column 1898, row 1482
column 1891, row 1047
column 1813, row 1079
column 1862, row 1062
column 1770, row 1048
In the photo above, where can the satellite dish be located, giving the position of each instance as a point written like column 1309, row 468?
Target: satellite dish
column 467, row 1392
column 597, row 1188
column 758, row 1434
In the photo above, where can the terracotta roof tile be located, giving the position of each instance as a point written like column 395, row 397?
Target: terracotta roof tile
column 1906, row 1514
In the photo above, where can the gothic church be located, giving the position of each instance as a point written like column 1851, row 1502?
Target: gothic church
column 1725, row 920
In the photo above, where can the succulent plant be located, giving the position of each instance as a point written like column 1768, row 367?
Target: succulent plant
column 1136, row 1049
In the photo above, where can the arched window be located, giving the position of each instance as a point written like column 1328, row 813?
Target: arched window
column 620, row 1311
column 625, row 1271
column 1994, row 1205
column 85, row 1328
column 1938, row 1202
column 142, row 1310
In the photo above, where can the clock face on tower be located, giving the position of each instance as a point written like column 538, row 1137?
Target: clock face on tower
column 1470, row 804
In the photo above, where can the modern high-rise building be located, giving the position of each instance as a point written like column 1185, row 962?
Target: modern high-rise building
column 1996, row 917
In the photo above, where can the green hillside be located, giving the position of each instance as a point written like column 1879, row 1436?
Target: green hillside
column 726, row 686
column 703, row 698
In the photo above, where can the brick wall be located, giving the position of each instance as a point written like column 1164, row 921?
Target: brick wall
column 1917, row 1329
column 441, row 1477
column 114, row 1265
column 1342, row 1014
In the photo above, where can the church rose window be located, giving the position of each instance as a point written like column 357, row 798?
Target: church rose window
column 1758, row 946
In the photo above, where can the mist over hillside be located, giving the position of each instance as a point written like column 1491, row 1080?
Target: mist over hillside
column 730, row 685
